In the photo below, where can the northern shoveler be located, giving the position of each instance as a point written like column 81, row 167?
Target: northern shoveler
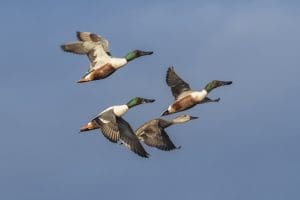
column 153, row 132
column 115, row 128
column 102, row 64
column 185, row 97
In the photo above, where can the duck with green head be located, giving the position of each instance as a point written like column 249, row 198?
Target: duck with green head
column 115, row 128
column 102, row 64
column 185, row 97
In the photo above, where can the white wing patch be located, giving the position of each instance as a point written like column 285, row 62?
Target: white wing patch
column 118, row 110
column 104, row 121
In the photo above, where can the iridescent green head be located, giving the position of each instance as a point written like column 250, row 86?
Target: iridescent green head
column 137, row 101
column 214, row 84
column 137, row 53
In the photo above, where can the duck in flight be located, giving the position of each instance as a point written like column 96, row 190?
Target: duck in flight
column 115, row 128
column 185, row 97
column 153, row 132
column 102, row 64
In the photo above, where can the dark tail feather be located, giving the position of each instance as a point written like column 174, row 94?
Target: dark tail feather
column 217, row 100
column 165, row 113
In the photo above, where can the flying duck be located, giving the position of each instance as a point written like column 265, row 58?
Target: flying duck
column 185, row 97
column 153, row 132
column 115, row 128
column 102, row 64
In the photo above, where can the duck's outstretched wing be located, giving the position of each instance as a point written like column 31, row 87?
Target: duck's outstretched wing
column 78, row 47
column 129, row 139
column 92, row 45
column 108, row 124
column 95, row 52
column 92, row 37
column 178, row 86
column 164, row 142
column 155, row 136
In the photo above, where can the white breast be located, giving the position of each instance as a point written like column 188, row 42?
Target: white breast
column 120, row 110
column 118, row 62
column 199, row 95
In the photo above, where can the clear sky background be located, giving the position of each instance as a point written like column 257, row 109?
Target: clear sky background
column 245, row 147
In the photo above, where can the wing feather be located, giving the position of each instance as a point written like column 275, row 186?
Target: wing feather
column 178, row 85
column 76, row 47
column 129, row 139
column 88, row 36
column 108, row 125
column 92, row 45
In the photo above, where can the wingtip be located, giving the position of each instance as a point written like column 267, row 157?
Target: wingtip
column 146, row 155
column 78, row 34
column 171, row 68
column 143, row 153
column 63, row 47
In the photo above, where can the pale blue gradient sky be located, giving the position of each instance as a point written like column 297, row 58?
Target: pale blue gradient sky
column 245, row 147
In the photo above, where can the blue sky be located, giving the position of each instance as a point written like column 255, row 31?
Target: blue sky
column 245, row 147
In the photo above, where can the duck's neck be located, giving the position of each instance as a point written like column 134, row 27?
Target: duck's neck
column 132, row 103
column 131, row 56
column 210, row 86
